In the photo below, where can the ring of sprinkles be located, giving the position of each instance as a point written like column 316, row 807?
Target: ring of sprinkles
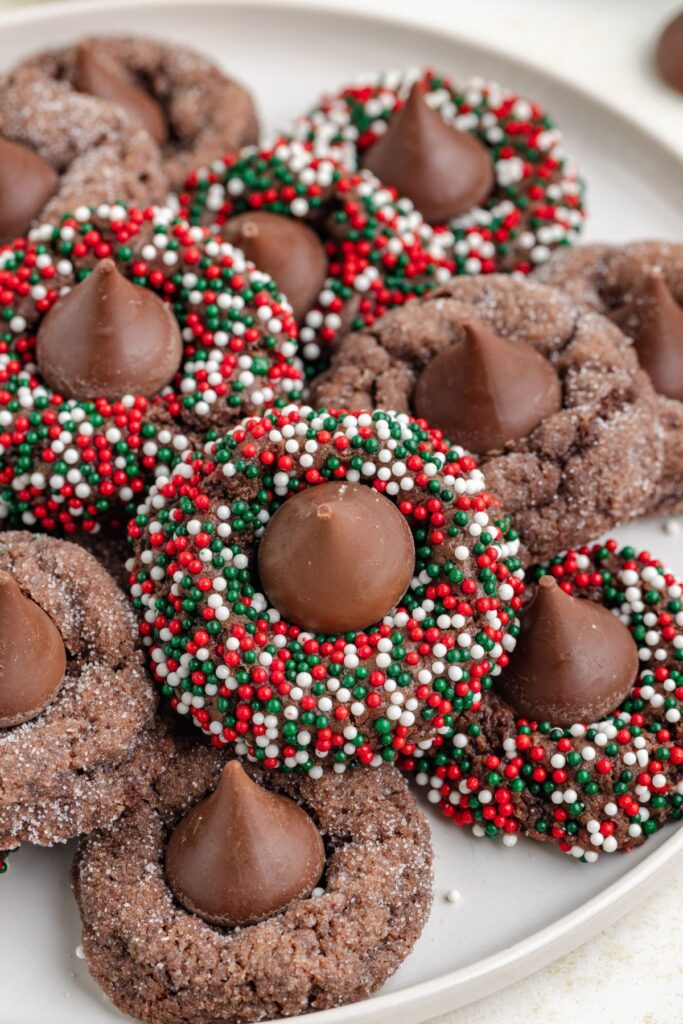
column 593, row 788
column 68, row 464
column 295, row 700
column 537, row 202
column 380, row 250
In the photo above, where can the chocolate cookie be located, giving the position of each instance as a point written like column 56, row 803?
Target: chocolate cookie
column 188, row 107
column 479, row 162
column 77, row 736
column 547, row 393
column 324, row 590
column 640, row 287
column 592, row 786
column 59, row 148
column 164, row 964
column 124, row 332
column 353, row 249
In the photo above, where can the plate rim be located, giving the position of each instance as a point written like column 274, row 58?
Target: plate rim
column 567, row 931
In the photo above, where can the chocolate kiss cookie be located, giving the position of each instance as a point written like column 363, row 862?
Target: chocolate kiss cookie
column 336, row 558
column 595, row 457
column 73, row 149
column 92, row 406
column 26, row 183
column 477, row 160
column 574, row 661
column 90, row 748
column 444, row 171
column 107, row 338
column 591, row 787
column 163, row 964
column 640, row 287
column 32, row 656
column 427, row 535
column 243, row 853
column 289, row 251
column 487, row 391
column 187, row 107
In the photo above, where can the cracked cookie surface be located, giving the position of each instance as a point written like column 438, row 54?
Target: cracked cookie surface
column 160, row 963
column 93, row 750
column 606, row 278
column 593, row 464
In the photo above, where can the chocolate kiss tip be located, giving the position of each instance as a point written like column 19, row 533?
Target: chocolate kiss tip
column 443, row 170
column 108, row 337
column 287, row 250
column 654, row 319
column 26, row 183
column 574, row 662
column 243, row 853
column 485, row 391
column 104, row 80
column 339, row 571
column 32, row 656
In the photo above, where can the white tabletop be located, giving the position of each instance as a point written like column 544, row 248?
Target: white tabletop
column 631, row 973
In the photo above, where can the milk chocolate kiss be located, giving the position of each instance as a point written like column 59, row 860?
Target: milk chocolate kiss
column 655, row 322
column 574, row 660
column 107, row 338
column 443, row 170
column 243, row 853
column 669, row 53
column 104, row 80
column 336, row 558
column 286, row 249
column 26, row 184
column 32, row 656
column 484, row 390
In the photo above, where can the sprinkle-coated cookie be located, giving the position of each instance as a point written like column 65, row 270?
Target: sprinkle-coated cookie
column 589, row 462
column 640, row 286
column 164, row 964
column 287, row 697
column 535, row 202
column 380, row 251
column 94, row 748
column 592, row 787
column 70, row 464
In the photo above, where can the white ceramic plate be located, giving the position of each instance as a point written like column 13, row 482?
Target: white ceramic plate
column 519, row 908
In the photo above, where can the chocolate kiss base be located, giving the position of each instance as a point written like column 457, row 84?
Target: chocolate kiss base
column 655, row 321
column 574, row 661
column 289, row 251
column 444, row 171
column 243, row 854
column 105, row 81
column 484, row 391
column 32, row 656
column 336, row 557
